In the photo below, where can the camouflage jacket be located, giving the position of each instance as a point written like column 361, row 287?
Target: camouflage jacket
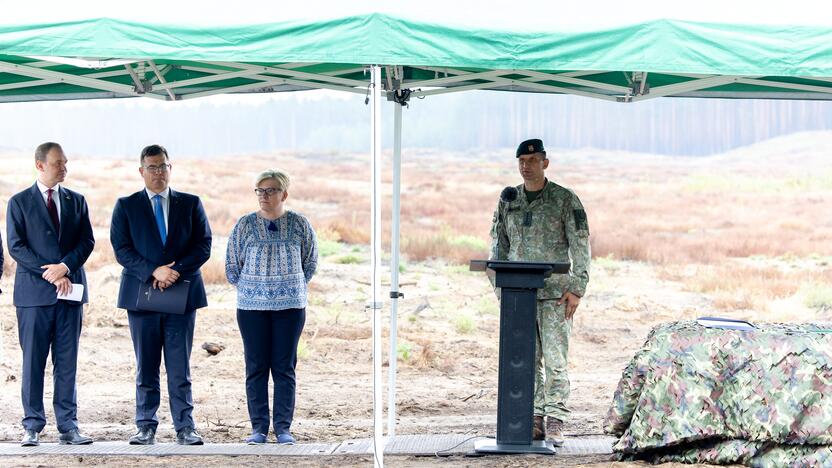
column 552, row 228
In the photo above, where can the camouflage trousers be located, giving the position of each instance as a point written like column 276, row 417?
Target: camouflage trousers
column 551, row 383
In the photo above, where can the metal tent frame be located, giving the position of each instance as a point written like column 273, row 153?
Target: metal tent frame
column 104, row 78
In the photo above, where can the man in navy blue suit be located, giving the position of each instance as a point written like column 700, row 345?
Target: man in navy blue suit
column 161, row 236
column 50, row 237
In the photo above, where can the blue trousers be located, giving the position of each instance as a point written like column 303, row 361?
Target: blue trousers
column 155, row 333
column 270, row 344
column 56, row 327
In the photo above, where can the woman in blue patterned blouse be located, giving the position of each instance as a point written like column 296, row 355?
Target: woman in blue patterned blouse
column 272, row 254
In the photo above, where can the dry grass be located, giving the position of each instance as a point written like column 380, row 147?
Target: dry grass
column 672, row 212
column 818, row 296
column 9, row 265
column 101, row 256
column 442, row 245
column 213, row 272
column 326, row 233
column 663, row 223
column 736, row 286
column 425, row 356
column 350, row 233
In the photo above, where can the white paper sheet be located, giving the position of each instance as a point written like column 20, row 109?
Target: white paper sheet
column 75, row 295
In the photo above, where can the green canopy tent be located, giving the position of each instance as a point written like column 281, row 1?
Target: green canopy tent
column 372, row 54
column 104, row 58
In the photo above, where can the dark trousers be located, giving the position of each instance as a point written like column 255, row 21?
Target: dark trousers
column 154, row 333
column 56, row 327
column 270, row 343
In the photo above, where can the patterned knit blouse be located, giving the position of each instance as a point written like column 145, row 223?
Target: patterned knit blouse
column 271, row 267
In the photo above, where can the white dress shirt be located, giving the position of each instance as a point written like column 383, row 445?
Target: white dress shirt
column 55, row 196
column 165, row 202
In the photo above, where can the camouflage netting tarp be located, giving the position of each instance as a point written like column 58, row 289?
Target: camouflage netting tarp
column 762, row 398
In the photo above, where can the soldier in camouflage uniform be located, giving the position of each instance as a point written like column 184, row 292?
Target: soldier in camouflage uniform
column 546, row 223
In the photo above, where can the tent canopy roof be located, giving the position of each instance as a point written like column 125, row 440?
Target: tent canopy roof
column 114, row 58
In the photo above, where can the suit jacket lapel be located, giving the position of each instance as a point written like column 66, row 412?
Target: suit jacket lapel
column 147, row 207
column 173, row 212
column 65, row 216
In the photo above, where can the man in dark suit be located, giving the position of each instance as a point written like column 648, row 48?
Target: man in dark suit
column 161, row 236
column 50, row 237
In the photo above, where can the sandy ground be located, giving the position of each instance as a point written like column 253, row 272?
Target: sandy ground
column 447, row 379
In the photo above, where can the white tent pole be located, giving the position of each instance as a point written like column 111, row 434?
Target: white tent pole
column 394, row 267
column 375, row 280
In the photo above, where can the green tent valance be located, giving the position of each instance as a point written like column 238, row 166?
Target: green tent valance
column 113, row 58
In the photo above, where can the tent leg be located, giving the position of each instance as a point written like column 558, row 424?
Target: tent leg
column 394, row 267
column 375, row 242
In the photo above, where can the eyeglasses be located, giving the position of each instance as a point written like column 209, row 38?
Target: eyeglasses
column 161, row 169
column 266, row 192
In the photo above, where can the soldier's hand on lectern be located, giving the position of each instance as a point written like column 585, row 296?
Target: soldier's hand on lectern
column 571, row 302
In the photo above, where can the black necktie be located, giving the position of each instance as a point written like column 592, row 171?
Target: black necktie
column 53, row 210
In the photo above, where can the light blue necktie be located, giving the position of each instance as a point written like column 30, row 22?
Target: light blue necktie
column 160, row 218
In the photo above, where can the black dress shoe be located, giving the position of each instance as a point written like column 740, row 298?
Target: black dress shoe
column 145, row 436
column 30, row 439
column 188, row 436
column 74, row 437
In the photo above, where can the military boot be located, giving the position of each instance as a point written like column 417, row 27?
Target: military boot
column 554, row 430
column 538, row 429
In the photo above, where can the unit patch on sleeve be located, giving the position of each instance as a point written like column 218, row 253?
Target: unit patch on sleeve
column 580, row 220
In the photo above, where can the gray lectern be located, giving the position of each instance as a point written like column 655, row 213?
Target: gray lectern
column 519, row 282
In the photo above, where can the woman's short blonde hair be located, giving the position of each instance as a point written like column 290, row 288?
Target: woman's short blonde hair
column 281, row 178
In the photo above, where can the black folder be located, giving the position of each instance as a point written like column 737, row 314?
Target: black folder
column 172, row 300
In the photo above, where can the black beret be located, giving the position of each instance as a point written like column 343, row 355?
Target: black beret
column 535, row 145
